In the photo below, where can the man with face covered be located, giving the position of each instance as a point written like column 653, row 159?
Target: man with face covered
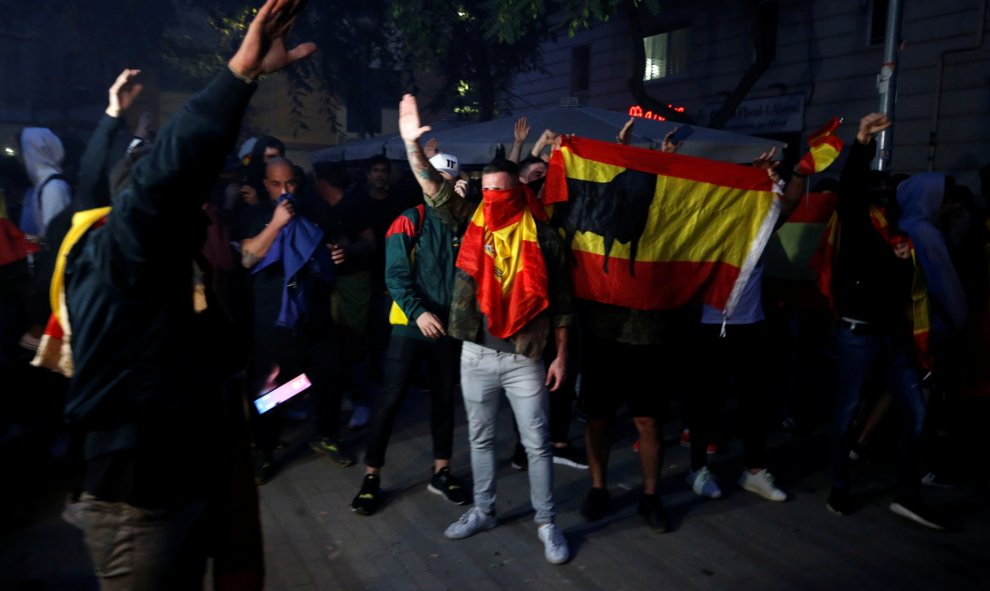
column 511, row 291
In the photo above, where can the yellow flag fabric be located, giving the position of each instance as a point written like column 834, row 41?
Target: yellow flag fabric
column 654, row 231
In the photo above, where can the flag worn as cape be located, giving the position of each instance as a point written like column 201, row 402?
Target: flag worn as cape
column 500, row 251
column 654, row 231
column 55, row 351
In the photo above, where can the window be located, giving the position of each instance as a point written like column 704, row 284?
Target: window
column 580, row 69
column 666, row 54
column 878, row 22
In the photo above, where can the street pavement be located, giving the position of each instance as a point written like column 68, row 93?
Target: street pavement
column 314, row 542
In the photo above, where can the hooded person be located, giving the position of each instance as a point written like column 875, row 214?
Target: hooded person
column 920, row 201
column 43, row 155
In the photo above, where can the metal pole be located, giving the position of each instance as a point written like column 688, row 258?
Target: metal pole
column 887, row 83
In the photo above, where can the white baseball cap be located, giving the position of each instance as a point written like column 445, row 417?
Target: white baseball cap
column 446, row 163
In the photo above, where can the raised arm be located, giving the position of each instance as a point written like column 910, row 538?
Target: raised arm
column 862, row 152
column 169, row 185
column 519, row 134
column 410, row 130
column 546, row 139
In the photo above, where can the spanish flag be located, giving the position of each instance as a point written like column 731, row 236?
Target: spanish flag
column 500, row 251
column 823, row 148
column 654, row 231
column 920, row 319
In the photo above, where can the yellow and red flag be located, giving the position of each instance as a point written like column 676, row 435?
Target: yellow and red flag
column 920, row 319
column 823, row 148
column 500, row 251
column 792, row 247
column 654, row 231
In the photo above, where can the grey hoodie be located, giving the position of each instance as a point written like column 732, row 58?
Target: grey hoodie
column 43, row 154
column 920, row 199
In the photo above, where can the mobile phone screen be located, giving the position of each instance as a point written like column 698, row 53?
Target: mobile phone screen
column 271, row 399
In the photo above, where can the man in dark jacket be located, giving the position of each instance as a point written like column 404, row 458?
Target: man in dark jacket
column 872, row 286
column 145, row 396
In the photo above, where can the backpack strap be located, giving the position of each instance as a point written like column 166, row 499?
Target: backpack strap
column 40, row 191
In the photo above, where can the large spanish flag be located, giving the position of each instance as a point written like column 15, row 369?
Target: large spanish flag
column 654, row 231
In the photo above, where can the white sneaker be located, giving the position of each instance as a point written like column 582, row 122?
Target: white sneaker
column 472, row 522
column 762, row 484
column 555, row 548
column 703, row 483
column 359, row 418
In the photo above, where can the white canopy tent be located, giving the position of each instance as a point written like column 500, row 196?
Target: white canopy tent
column 478, row 143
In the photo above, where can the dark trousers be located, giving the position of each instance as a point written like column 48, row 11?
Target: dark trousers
column 860, row 356
column 316, row 356
column 404, row 355
column 740, row 357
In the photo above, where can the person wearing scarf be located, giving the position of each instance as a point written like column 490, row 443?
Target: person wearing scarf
column 511, row 286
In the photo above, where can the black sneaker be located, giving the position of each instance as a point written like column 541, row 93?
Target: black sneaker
column 569, row 456
column 839, row 501
column 653, row 513
column 368, row 498
column 916, row 510
column 332, row 449
column 595, row 504
column 520, row 461
column 443, row 483
column 264, row 468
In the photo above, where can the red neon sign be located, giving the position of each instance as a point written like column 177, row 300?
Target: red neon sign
column 637, row 111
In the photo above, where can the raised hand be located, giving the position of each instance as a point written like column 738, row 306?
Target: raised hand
column 263, row 49
column 766, row 161
column 123, row 92
column 870, row 125
column 667, row 146
column 625, row 134
column 409, row 127
column 520, row 131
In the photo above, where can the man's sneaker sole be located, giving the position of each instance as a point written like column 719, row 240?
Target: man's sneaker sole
column 439, row 492
column 903, row 511
column 569, row 463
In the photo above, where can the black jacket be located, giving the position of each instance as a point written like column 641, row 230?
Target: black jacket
column 145, row 362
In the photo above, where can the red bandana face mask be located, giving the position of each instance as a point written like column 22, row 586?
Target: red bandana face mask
column 501, row 252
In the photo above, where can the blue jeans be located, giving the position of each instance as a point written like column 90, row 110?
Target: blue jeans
column 859, row 355
column 484, row 374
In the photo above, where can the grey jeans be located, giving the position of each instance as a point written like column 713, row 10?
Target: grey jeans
column 136, row 548
column 484, row 374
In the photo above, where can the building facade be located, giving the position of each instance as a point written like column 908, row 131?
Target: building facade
column 797, row 63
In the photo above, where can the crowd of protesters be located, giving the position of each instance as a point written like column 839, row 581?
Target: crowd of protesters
column 179, row 278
